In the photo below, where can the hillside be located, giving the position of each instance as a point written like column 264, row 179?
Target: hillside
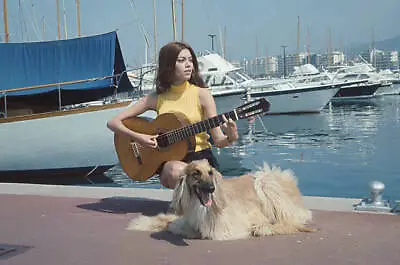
column 388, row 44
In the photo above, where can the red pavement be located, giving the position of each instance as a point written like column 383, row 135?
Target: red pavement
column 90, row 231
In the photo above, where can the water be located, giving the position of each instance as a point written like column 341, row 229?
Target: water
column 334, row 153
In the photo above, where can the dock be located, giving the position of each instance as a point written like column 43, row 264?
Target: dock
column 86, row 225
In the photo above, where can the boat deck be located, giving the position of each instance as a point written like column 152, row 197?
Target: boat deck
column 86, row 225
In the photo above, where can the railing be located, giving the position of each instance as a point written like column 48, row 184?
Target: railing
column 59, row 87
column 143, row 71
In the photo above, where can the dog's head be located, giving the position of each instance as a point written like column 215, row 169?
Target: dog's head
column 199, row 181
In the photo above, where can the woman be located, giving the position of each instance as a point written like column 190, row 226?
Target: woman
column 179, row 87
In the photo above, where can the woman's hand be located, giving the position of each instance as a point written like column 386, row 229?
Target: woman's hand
column 145, row 140
column 230, row 129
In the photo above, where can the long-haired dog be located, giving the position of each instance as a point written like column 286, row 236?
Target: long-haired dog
column 207, row 206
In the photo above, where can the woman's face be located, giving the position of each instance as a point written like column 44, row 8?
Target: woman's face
column 183, row 67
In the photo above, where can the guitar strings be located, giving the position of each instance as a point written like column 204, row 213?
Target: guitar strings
column 173, row 135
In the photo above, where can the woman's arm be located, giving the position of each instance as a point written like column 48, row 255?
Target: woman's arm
column 225, row 134
column 148, row 102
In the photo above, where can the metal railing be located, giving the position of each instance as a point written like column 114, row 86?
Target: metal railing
column 59, row 88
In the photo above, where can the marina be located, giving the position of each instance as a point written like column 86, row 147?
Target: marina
column 334, row 153
column 333, row 119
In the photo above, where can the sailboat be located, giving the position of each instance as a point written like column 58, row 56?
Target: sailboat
column 55, row 100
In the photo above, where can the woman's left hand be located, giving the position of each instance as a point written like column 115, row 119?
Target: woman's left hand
column 230, row 129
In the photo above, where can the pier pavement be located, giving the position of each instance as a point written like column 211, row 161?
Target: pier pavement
column 45, row 224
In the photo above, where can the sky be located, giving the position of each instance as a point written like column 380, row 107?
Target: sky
column 250, row 28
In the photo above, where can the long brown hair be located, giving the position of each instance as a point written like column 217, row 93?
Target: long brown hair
column 166, row 66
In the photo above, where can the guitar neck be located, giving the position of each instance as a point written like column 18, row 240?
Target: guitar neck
column 183, row 133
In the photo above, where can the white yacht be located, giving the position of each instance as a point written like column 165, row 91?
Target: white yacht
column 291, row 97
column 360, row 85
column 377, row 84
column 306, row 91
column 221, row 77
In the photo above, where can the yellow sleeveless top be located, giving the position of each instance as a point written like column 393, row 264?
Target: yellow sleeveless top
column 184, row 99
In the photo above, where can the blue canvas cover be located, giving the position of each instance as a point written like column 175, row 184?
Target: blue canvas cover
column 40, row 63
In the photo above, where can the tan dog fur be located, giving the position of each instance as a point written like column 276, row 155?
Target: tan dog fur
column 267, row 202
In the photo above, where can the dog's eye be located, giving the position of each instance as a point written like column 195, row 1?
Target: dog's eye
column 196, row 173
column 210, row 172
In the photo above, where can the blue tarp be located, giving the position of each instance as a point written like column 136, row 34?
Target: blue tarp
column 40, row 63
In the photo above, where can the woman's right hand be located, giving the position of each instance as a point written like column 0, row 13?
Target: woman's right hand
column 149, row 141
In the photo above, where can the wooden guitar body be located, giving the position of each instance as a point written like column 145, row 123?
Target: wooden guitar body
column 139, row 162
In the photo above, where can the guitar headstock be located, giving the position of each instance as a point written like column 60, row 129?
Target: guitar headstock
column 255, row 107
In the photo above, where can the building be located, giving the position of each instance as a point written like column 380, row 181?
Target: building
column 382, row 60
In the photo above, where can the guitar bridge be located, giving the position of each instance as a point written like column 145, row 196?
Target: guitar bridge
column 136, row 152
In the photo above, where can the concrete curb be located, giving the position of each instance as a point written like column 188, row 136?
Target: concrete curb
column 311, row 202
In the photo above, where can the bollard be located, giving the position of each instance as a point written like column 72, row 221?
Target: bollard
column 375, row 203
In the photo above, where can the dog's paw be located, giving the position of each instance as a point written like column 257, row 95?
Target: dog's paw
column 151, row 223
column 261, row 230
column 308, row 229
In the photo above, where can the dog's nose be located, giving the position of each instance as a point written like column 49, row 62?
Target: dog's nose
column 208, row 187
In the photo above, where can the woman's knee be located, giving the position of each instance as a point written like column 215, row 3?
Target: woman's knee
column 171, row 172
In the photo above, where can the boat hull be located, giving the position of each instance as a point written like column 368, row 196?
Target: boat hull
column 306, row 100
column 390, row 89
column 227, row 92
column 58, row 176
column 79, row 140
column 357, row 91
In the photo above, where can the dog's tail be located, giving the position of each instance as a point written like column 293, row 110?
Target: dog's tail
column 282, row 200
column 151, row 223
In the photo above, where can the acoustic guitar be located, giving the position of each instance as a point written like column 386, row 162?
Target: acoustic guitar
column 175, row 138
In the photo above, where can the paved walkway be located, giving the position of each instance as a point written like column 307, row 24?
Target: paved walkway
column 82, row 225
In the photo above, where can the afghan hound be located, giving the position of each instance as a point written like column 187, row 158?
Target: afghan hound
column 207, row 206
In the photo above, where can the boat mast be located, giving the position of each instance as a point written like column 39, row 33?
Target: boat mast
column 7, row 35
column 155, row 30
column 298, row 41
column 224, row 42
column 183, row 17
column 329, row 47
column 65, row 21
column 58, row 20
column 308, row 45
column 173, row 19
column 43, row 29
column 373, row 61
column 78, row 11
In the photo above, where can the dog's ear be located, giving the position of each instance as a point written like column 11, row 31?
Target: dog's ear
column 217, row 175
column 219, row 198
column 176, row 203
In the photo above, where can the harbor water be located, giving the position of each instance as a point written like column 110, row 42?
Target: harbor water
column 335, row 153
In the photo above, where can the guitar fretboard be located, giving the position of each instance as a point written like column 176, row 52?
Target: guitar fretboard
column 182, row 133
